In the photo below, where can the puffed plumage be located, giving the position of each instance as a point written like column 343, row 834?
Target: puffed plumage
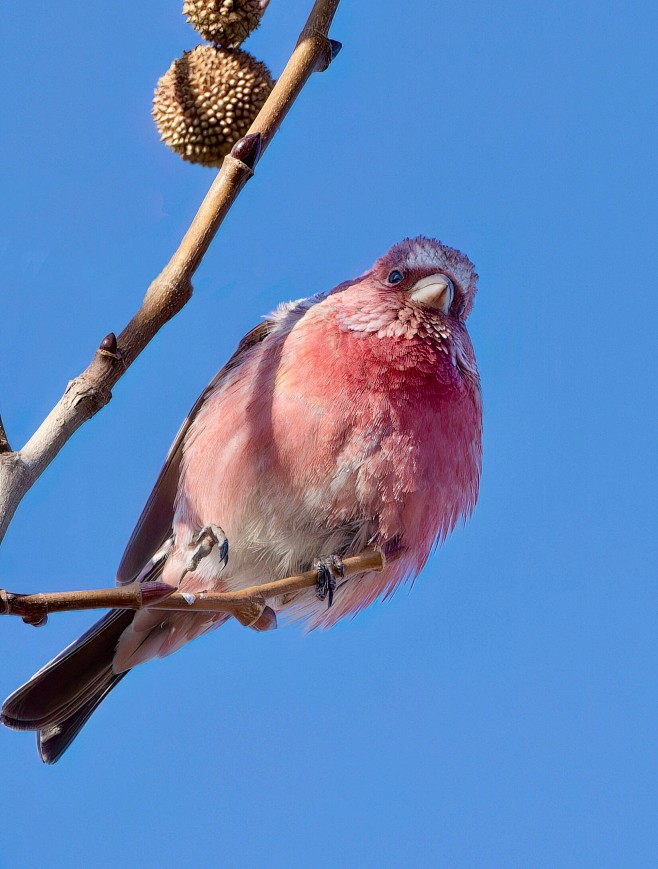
column 345, row 420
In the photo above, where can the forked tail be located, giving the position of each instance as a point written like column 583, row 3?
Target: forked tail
column 58, row 700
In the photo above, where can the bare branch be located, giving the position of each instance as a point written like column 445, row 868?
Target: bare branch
column 169, row 292
column 247, row 605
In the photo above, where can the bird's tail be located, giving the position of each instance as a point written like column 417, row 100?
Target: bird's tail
column 58, row 700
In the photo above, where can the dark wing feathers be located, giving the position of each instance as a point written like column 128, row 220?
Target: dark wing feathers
column 69, row 680
column 59, row 699
column 52, row 742
column 154, row 525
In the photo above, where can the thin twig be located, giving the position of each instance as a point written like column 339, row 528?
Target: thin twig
column 170, row 291
column 246, row 605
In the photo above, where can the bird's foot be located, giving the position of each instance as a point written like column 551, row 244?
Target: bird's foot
column 330, row 569
column 203, row 544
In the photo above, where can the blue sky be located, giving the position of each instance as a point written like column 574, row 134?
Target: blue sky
column 504, row 712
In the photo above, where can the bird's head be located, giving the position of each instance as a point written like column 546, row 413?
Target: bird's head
column 420, row 287
column 430, row 274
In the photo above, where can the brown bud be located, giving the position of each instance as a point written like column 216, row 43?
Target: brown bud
column 266, row 621
column 155, row 591
column 248, row 149
column 336, row 47
column 109, row 343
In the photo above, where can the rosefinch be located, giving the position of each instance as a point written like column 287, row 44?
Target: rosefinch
column 345, row 420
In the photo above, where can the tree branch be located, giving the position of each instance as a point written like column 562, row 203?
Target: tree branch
column 90, row 391
column 246, row 605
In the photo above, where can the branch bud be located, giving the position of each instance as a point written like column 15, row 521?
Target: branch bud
column 109, row 344
column 247, row 149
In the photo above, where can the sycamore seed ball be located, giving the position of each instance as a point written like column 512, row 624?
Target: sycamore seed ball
column 207, row 100
column 224, row 22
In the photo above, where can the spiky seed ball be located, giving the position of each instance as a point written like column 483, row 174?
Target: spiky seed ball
column 224, row 22
column 207, row 100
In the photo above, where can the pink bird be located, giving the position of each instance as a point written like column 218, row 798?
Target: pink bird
column 346, row 420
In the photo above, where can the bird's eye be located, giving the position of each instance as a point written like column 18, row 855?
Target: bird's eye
column 395, row 277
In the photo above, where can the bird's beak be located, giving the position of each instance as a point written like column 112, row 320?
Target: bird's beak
column 436, row 291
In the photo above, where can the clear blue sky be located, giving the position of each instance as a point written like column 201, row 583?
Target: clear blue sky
column 505, row 711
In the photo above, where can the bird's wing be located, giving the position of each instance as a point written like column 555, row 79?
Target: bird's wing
column 154, row 525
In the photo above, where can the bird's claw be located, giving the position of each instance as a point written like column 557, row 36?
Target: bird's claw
column 206, row 540
column 223, row 551
column 330, row 570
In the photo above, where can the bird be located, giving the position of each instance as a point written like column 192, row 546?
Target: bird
column 346, row 420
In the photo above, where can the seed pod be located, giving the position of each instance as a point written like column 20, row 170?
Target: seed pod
column 207, row 100
column 224, row 22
